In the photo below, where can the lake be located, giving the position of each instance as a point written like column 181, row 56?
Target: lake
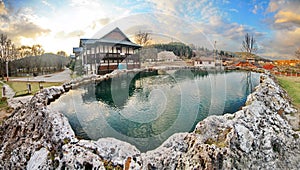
column 146, row 108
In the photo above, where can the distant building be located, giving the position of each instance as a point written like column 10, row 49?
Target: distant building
column 204, row 62
column 250, row 60
column 104, row 55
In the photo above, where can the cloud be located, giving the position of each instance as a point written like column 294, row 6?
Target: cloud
column 226, row 1
column 63, row 34
column 46, row 3
column 167, row 6
column 255, row 9
column 27, row 29
column 284, row 27
column 18, row 24
column 209, row 24
column 233, row 10
column 287, row 17
column 272, row 6
column 101, row 21
column 3, row 10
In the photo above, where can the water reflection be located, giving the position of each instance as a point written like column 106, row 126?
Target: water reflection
column 146, row 108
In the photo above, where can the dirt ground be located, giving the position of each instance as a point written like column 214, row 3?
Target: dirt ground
column 5, row 113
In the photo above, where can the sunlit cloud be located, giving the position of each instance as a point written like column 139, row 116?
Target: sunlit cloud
column 287, row 16
column 285, row 28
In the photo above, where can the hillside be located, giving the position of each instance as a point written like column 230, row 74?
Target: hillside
column 243, row 55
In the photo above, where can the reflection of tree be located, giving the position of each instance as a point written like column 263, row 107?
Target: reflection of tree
column 77, row 127
column 89, row 93
column 116, row 91
column 247, row 83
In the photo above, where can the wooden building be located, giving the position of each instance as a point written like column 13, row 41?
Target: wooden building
column 106, row 54
column 204, row 62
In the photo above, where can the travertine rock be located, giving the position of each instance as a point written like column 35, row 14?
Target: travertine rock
column 256, row 137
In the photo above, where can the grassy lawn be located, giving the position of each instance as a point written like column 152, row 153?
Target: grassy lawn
column 1, row 90
column 292, row 86
column 3, row 103
column 21, row 87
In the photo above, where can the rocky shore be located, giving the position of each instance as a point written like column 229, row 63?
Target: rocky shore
column 256, row 137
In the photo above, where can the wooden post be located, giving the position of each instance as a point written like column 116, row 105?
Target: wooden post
column 40, row 85
column 29, row 88
column 3, row 92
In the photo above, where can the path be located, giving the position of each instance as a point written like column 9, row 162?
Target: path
column 9, row 92
column 63, row 76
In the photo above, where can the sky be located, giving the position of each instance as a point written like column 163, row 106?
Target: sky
column 59, row 24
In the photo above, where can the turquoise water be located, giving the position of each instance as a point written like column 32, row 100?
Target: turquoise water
column 146, row 108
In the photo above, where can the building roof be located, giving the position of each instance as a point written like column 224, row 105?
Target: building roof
column 116, row 36
column 204, row 59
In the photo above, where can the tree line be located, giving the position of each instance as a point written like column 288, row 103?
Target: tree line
column 180, row 49
column 39, row 64
column 27, row 59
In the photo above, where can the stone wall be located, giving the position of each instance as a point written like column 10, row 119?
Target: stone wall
column 256, row 137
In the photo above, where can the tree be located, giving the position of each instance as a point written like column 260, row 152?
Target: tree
column 24, row 51
column 62, row 53
column 7, row 53
column 297, row 53
column 222, row 53
column 180, row 49
column 249, row 45
column 142, row 38
column 37, row 50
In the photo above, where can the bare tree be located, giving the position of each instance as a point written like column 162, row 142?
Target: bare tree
column 24, row 51
column 142, row 38
column 8, row 53
column 3, row 43
column 297, row 53
column 62, row 53
column 37, row 50
column 249, row 44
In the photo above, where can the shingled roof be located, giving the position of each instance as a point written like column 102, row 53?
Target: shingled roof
column 116, row 36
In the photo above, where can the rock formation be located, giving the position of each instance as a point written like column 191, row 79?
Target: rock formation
column 256, row 137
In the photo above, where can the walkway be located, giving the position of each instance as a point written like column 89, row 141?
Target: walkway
column 64, row 76
column 9, row 92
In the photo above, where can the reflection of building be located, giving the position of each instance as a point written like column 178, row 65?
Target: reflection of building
column 100, row 56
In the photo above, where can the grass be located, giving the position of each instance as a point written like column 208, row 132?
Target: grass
column 3, row 103
column 1, row 85
column 292, row 86
column 20, row 87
